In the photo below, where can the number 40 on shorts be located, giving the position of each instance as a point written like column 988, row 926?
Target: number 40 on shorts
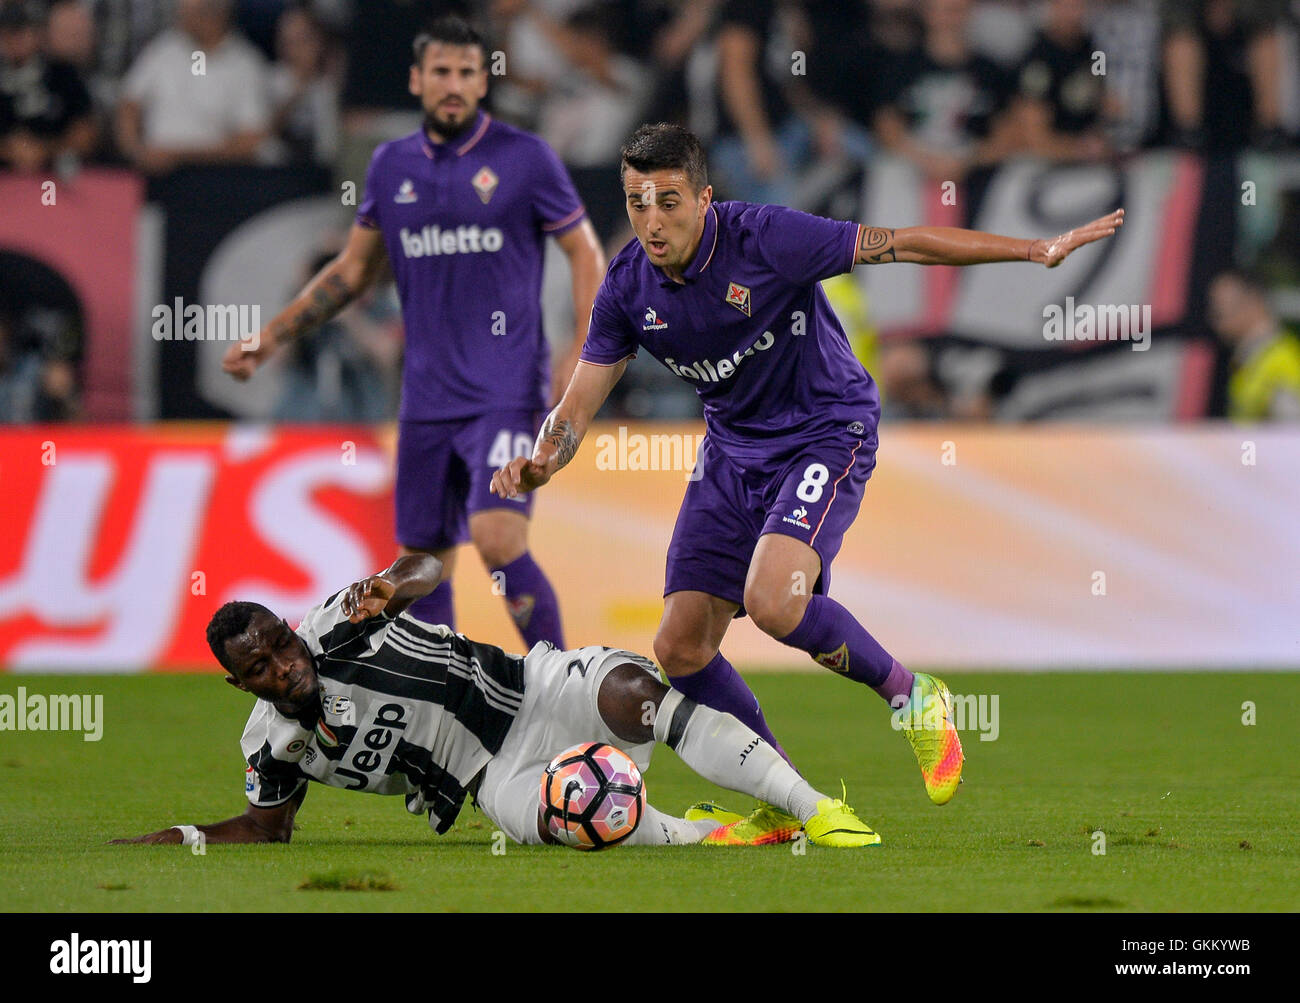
column 501, row 453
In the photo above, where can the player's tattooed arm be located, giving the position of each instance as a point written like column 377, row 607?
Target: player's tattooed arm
column 947, row 245
column 321, row 301
column 330, row 290
column 562, row 432
column 875, row 246
column 559, row 433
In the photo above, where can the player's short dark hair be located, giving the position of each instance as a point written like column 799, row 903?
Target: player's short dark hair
column 230, row 621
column 448, row 30
column 663, row 145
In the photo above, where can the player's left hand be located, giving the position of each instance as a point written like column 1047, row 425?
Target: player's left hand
column 1052, row 252
column 367, row 598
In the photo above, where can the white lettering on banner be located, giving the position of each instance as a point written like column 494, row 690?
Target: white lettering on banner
column 109, row 544
column 139, row 599
column 282, row 511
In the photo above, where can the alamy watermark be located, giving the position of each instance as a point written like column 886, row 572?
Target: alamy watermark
column 970, row 712
column 635, row 451
column 53, row 712
column 75, row 956
column 1101, row 322
column 181, row 321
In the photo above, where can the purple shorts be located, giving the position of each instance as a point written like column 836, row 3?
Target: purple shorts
column 813, row 497
column 444, row 472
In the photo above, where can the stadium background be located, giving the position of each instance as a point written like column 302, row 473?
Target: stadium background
column 142, row 488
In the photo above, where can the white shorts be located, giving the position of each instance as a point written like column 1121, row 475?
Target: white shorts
column 559, row 711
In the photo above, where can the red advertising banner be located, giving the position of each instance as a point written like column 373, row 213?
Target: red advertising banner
column 120, row 542
column 1067, row 547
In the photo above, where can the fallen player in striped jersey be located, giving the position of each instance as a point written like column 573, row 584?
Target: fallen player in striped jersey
column 366, row 697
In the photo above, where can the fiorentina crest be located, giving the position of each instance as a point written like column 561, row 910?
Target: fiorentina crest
column 837, row 660
column 738, row 296
column 485, row 183
column 521, row 609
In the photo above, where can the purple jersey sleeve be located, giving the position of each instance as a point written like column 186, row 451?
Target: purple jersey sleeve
column 802, row 248
column 610, row 338
column 367, row 211
column 556, row 205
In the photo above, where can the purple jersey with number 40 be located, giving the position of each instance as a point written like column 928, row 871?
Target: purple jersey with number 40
column 465, row 224
column 751, row 330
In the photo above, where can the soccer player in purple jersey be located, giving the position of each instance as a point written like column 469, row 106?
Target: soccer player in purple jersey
column 461, row 209
column 727, row 296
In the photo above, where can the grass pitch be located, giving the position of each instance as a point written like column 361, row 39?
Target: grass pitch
column 1199, row 811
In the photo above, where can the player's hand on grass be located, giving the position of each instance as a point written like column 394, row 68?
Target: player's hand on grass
column 243, row 358
column 522, row 474
column 367, row 598
column 162, row 836
column 1052, row 252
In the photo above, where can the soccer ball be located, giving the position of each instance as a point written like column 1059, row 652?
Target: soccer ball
column 592, row 796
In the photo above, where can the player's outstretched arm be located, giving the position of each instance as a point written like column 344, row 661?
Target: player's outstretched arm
column 410, row 577
column 946, row 245
column 562, row 431
column 256, row 825
column 330, row 290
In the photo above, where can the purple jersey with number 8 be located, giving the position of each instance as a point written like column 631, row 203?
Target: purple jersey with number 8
column 791, row 413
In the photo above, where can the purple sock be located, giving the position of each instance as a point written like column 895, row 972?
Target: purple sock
column 531, row 601
column 720, row 686
column 436, row 607
column 836, row 640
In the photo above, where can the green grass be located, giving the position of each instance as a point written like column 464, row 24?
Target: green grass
column 1199, row 811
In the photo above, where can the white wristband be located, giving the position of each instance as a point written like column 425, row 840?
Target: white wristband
column 189, row 834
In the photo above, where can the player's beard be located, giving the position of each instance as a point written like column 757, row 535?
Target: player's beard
column 446, row 131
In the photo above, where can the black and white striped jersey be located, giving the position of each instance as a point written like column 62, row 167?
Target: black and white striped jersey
column 407, row 707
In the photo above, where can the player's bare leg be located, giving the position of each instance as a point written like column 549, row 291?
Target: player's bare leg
column 780, row 600
column 638, row 708
column 437, row 606
column 779, row 597
column 686, row 646
column 501, row 537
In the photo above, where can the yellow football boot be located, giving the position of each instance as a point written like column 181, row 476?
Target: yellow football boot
column 761, row 827
column 836, row 824
column 927, row 721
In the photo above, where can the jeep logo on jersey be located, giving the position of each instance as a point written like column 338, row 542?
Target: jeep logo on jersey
column 433, row 240
column 405, row 193
column 714, row 372
column 738, row 296
column 371, row 748
column 485, row 183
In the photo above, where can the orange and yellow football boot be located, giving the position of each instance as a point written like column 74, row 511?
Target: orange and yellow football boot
column 763, row 826
column 927, row 720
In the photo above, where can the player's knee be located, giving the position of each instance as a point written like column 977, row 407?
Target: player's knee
column 499, row 549
column 775, row 611
column 678, row 655
column 628, row 701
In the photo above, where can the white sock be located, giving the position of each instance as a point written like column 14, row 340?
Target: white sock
column 658, row 828
column 720, row 748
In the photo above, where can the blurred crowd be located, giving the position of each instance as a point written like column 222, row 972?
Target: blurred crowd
column 787, row 93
